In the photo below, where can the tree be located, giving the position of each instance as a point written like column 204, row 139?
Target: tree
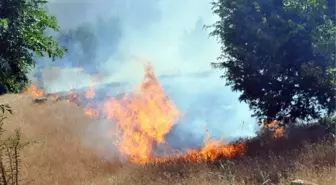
column 280, row 54
column 23, row 24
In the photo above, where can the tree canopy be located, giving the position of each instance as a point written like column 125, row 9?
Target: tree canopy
column 23, row 24
column 280, row 54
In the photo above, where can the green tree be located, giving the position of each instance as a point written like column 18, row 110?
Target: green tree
column 23, row 24
column 280, row 54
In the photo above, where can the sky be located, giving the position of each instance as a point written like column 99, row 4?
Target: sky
column 170, row 35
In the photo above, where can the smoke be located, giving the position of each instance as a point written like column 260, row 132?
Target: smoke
column 170, row 35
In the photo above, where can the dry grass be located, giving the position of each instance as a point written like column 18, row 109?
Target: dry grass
column 314, row 162
column 60, row 156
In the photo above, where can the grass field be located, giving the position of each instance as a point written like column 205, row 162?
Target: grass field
column 60, row 157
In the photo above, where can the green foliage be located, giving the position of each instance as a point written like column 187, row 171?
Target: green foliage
column 280, row 55
column 22, row 37
column 10, row 148
column 329, row 122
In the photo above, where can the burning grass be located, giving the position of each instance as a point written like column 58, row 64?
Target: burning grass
column 61, row 157
column 307, row 163
column 143, row 118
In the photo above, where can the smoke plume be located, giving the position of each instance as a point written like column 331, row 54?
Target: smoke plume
column 169, row 34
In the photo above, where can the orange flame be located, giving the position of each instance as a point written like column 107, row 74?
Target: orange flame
column 34, row 91
column 145, row 118
column 209, row 153
column 70, row 97
column 91, row 93
column 93, row 113
column 274, row 126
column 73, row 97
column 216, row 150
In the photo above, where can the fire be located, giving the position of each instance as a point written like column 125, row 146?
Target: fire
column 278, row 131
column 143, row 119
column 91, row 93
column 34, row 91
column 211, row 152
column 147, row 116
column 93, row 113
column 215, row 150
column 73, row 97
column 70, row 97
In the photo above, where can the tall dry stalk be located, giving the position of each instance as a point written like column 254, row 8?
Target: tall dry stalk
column 10, row 148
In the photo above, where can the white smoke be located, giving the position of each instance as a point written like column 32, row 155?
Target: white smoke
column 170, row 35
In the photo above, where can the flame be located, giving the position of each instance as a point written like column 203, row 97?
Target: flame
column 34, row 91
column 274, row 126
column 216, row 150
column 91, row 93
column 93, row 113
column 211, row 152
column 145, row 117
column 73, row 97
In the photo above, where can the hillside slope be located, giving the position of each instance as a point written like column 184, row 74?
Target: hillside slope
column 59, row 156
column 62, row 155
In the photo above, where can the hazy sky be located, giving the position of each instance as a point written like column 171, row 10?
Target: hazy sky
column 170, row 35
